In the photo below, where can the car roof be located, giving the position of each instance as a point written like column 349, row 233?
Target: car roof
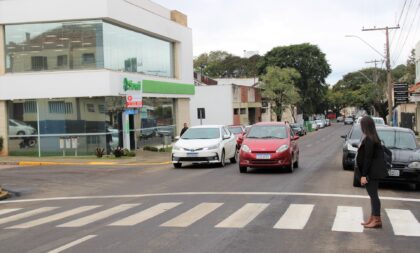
column 270, row 124
column 399, row 129
column 208, row 126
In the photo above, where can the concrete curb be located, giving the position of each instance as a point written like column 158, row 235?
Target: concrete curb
column 35, row 163
column 9, row 163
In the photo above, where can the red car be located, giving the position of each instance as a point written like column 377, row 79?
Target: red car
column 238, row 131
column 269, row 144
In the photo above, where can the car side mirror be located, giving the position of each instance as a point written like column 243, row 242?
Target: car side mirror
column 354, row 145
column 296, row 137
column 177, row 137
column 344, row 136
column 225, row 137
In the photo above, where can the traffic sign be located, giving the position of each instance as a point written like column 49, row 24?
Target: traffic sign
column 400, row 93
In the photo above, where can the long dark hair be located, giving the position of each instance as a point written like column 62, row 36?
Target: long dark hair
column 369, row 130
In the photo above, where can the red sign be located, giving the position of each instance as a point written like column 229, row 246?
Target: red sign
column 133, row 101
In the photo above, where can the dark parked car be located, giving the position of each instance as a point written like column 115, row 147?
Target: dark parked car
column 298, row 129
column 351, row 143
column 405, row 156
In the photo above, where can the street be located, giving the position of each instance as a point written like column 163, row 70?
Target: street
column 205, row 208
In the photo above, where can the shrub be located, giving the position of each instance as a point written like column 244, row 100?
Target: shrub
column 99, row 152
column 1, row 143
column 118, row 152
column 149, row 148
column 131, row 154
column 167, row 149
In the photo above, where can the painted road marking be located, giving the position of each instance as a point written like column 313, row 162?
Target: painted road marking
column 145, row 214
column 295, row 217
column 303, row 194
column 348, row 219
column 72, row 244
column 403, row 222
column 4, row 211
column 54, row 217
column 26, row 214
column 192, row 215
column 98, row 216
column 243, row 216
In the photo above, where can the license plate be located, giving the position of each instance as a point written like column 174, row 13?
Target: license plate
column 263, row 156
column 394, row 173
column 192, row 154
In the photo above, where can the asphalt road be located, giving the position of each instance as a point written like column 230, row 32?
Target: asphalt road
column 205, row 209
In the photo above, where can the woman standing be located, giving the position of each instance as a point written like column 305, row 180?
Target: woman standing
column 371, row 165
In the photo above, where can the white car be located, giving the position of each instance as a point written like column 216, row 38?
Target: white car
column 17, row 127
column 378, row 121
column 205, row 144
column 320, row 123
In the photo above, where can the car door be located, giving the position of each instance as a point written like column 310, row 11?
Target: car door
column 230, row 144
column 12, row 128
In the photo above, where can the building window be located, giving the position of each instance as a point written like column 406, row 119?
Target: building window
column 263, row 110
column 60, row 107
column 243, row 110
column 39, row 63
column 29, row 107
column 88, row 58
column 236, row 111
column 62, row 60
column 90, row 107
column 101, row 108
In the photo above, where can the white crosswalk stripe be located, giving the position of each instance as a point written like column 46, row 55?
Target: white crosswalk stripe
column 196, row 213
column 145, row 215
column 243, row 216
column 348, row 219
column 403, row 222
column 98, row 216
column 54, row 217
column 295, row 217
column 26, row 214
column 72, row 244
column 5, row 211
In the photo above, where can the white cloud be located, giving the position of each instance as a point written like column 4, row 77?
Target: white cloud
column 237, row 25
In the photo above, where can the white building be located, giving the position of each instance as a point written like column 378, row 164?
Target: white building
column 67, row 69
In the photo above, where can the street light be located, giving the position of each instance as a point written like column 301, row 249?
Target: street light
column 355, row 36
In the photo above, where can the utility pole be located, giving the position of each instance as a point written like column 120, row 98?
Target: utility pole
column 388, row 66
column 376, row 76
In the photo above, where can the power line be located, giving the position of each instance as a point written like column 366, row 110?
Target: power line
column 400, row 35
column 408, row 34
column 398, row 22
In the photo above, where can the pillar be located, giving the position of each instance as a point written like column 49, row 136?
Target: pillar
column 182, row 114
column 3, row 104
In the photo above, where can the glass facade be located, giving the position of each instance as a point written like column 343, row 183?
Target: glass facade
column 92, row 44
column 53, row 126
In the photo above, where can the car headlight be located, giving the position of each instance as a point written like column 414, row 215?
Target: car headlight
column 282, row 148
column 246, row 149
column 414, row 165
column 351, row 148
column 176, row 147
column 212, row 147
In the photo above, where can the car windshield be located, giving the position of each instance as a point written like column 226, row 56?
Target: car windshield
column 201, row 133
column 356, row 134
column 267, row 132
column 397, row 139
column 235, row 130
column 318, row 121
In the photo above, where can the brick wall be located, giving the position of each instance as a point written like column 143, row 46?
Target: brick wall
column 244, row 94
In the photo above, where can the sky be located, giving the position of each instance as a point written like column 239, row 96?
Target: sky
column 238, row 25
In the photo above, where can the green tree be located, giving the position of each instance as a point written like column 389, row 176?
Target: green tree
column 279, row 88
column 313, row 67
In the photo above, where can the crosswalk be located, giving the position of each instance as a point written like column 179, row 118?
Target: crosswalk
column 295, row 217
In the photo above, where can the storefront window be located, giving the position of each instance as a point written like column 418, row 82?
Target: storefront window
column 54, row 46
column 92, row 44
column 130, row 51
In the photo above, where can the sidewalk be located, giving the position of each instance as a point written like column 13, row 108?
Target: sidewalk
column 141, row 158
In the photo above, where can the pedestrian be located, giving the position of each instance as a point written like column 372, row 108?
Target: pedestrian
column 184, row 129
column 371, row 166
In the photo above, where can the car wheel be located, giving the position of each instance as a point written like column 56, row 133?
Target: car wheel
column 242, row 169
column 296, row 164
column 20, row 133
column 222, row 159
column 177, row 165
column 290, row 167
column 235, row 157
column 345, row 165
column 32, row 143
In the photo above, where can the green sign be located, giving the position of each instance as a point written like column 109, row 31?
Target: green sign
column 131, row 85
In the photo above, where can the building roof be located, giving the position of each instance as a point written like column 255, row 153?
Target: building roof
column 238, row 81
column 415, row 88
